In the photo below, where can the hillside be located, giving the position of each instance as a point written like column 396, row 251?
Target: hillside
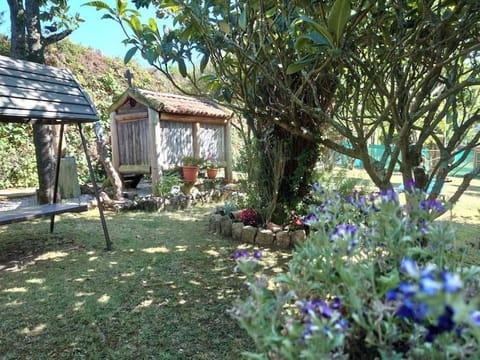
column 102, row 77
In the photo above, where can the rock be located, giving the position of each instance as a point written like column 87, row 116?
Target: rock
column 232, row 187
column 264, row 238
column 248, row 234
column 297, row 236
column 211, row 223
column 218, row 219
column 226, row 226
column 282, row 239
column 237, row 228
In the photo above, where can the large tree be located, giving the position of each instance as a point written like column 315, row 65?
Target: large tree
column 250, row 46
column 28, row 42
column 391, row 70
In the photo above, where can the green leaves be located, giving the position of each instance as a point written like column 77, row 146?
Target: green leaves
column 338, row 18
column 130, row 53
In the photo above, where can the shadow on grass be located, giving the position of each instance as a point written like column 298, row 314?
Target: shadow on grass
column 162, row 293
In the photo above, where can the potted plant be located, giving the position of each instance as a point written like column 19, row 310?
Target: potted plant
column 191, row 165
column 211, row 166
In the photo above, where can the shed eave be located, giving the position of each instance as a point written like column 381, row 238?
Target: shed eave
column 138, row 97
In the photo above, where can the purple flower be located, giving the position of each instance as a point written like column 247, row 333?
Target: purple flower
column 342, row 231
column 410, row 185
column 434, row 205
column 336, row 304
column 257, row 254
column 241, row 253
column 389, row 195
column 341, row 325
column 310, row 219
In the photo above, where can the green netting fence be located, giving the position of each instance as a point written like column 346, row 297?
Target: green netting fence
column 431, row 157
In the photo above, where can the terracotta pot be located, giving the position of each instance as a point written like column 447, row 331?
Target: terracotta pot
column 190, row 173
column 212, row 173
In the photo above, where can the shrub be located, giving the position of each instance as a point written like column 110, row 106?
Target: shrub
column 375, row 279
column 249, row 217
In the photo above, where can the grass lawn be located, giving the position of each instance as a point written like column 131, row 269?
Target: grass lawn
column 162, row 293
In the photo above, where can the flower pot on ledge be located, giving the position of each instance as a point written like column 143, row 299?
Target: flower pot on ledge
column 212, row 173
column 190, row 173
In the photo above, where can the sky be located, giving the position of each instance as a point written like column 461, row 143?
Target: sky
column 104, row 35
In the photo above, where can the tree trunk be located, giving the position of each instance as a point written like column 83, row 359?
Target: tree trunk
column 287, row 165
column 26, row 43
column 18, row 47
column 112, row 174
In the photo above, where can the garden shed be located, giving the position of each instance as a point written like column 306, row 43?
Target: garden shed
column 153, row 131
column 32, row 93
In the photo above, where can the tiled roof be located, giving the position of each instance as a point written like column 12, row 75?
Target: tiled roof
column 180, row 104
column 175, row 104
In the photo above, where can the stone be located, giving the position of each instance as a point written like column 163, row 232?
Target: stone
column 248, row 234
column 226, row 226
column 297, row 236
column 264, row 238
column 217, row 228
column 237, row 228
column 211, row 223
column 282, row 239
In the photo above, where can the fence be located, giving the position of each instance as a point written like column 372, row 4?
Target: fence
column 431, row 157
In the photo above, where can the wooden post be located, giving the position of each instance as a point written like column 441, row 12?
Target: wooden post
column 195, row 139
column 95, row 187
column 228, row 152
column 155, row 148
column 68, row 178
column 114, row 137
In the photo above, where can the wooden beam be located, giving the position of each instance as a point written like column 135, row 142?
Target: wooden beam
column 155, row 148
column 193, row 119
column 132, row 117
column 195, row 139
column 228, row 152
column 114, row 140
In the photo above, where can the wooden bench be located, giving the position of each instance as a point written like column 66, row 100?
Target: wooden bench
column 34, row 212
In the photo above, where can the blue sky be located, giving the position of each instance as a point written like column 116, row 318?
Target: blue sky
column 104, row 35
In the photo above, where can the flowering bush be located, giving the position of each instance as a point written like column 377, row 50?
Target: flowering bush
column 375, row 279
column 249, row 217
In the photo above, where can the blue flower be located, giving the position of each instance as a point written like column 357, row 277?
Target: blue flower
column 475, row 316
column 445, row 323
column 412, row 310
column 451, row 282
column 429, row 286
column 408, row 289
column 409, row 267
column 392, row 295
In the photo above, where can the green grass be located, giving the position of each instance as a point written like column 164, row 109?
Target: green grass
column 163, row 293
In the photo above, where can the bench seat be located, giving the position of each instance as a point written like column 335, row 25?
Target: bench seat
column 34, row 212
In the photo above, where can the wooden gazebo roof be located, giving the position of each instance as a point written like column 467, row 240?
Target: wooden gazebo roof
column 173, row 104
column 36, row 93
